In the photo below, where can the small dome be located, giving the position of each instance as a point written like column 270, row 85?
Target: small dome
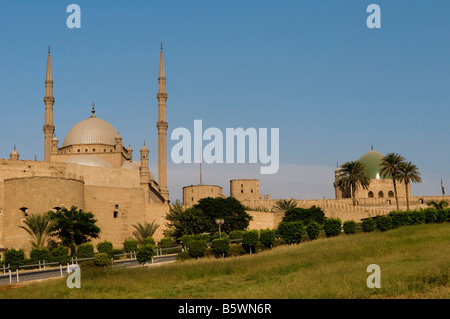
column 91, row 131
column 372, row 161
column 88, row 160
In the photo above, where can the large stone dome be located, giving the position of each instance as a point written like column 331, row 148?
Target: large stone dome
column 372, row 161
column 91, row 131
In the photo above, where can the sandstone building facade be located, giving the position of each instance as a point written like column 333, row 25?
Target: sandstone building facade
column 92, row 170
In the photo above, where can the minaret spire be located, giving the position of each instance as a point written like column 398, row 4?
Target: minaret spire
column 49, row 100
column 162, row 129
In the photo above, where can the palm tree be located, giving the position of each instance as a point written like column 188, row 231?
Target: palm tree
column 389, row 167
column 438, row 205
column 38, row 226
column 144, row 231
column 352, row 175
column 408, row 173
column 285, row 205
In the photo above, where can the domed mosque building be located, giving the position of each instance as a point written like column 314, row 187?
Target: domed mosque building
column 381, row 188
column 91, row 170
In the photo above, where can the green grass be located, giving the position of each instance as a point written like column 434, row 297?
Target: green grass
column 414, row 262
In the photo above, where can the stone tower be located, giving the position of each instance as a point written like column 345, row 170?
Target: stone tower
column 49, row 100
column 145, row 171
column 162, row 130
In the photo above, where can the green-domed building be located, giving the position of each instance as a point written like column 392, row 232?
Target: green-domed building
column 380, row 187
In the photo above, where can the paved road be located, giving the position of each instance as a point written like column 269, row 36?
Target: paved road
column 56, row 272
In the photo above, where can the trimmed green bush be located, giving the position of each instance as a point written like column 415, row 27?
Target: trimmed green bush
column 105, row 247
column 250, row 239
column 130, row 245
column 417, row 217
column 291, row 232
column 102, row 259
column 267, row 238
column 400, row 218
column 332, row 227
column 442, row 215
column 383, row 223
column 236, row 234
column 145, row 252
column 349, row 227
column 236, row 250
column 368, row 225
column 220, row 246
column 430, row 216
column 14, row 257
column 148, row 241
column 60, row 254
column 166, row 242
column 85, row 250
column 186, row 239
column 313, row 230
column 197, row 248
column 40, row 254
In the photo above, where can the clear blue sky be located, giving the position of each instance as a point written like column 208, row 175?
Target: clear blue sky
column 311, row 68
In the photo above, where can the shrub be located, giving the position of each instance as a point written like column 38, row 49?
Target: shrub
column 267, row 238
column 166, row 242
column 236, row 250
column 113, row 253
column 305, row 215
column 145, row 252
column 220, row 246
column 85, row 250
column 332, row 227
column 236, row 234
column 60, row 254
column 383, row 223
column 417, row 217
column 102, row 259
column 14, row 257
column 197, row 248
column 184, row 255
column 313, row 230
column 130, row 245
column 442, row 215
column 368, row 225
column 148, row 241
column 430, row 216
column 291, row 232
column 40, row 254
column 105, row 247
column 349, row 227
column 250, row 240
column 400, row 219
column 186, row 239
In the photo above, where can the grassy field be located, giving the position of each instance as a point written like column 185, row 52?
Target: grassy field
column 414, row 262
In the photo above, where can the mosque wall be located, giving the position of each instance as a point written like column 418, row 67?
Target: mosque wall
column 34, row 195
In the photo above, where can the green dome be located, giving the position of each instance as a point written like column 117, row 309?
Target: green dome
column 372, row 161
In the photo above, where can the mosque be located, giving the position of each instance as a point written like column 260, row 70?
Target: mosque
column 92, row 170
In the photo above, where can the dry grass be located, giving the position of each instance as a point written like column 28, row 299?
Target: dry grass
column 414, row 263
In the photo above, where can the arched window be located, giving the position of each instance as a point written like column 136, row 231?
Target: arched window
column 421, row 200
column 370, row 194
column 380, row 194
column 391, row 194
column 24, row 211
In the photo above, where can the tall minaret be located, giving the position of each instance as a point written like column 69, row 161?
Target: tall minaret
column 49, row 100
column 162, row 130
